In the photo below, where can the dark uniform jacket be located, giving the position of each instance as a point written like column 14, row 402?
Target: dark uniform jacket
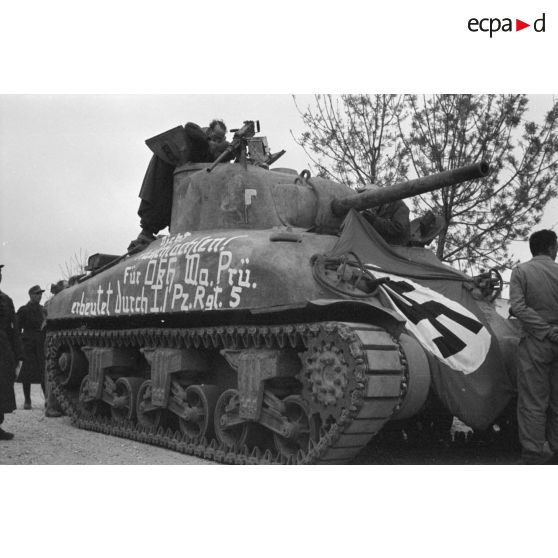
column 10, row 353
column 391, row 220
column 157, row 187
column 29, row 320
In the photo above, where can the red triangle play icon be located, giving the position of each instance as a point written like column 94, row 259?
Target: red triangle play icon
column 519, row 25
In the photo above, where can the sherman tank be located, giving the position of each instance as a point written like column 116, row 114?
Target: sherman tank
column 274, row 324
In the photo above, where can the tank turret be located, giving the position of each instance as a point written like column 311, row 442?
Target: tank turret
column 273, row 324
column 254, row 197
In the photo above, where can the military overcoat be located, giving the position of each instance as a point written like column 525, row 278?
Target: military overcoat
column 30, row 319
column 10, row 353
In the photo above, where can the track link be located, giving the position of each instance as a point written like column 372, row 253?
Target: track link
column 376, row 379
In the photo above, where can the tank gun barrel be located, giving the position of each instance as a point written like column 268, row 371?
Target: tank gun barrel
column 407, row 189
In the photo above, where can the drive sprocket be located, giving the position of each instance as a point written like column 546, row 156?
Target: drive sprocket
column 329, row 372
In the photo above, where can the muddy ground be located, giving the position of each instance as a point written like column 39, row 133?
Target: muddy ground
column 54, row 441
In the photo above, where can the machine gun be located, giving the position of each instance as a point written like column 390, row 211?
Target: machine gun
column 244, row 143
column 239, row 142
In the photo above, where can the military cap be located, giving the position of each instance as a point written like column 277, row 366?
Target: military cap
column 35, row 289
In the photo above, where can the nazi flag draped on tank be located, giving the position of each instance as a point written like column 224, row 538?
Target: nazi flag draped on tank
column 436, row 302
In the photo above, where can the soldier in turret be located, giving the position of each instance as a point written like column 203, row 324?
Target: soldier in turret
column 204, row 145
column 391, row 220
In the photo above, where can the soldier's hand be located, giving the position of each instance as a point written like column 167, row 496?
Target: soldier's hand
column 18, row 369
column 553, row 334
column 371, row 212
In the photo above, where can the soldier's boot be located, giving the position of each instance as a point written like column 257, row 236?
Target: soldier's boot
column 5, row 435
column 52, row 408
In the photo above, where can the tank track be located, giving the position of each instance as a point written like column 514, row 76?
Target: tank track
column 377, row 384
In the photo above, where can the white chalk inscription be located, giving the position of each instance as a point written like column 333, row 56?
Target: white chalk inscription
column 181, row 274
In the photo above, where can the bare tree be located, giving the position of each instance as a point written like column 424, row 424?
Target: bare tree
column 383, row 139
column 354, row 138
column 75, row 265
column 442, row 132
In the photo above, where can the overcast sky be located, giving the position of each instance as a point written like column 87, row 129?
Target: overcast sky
column 71, row 167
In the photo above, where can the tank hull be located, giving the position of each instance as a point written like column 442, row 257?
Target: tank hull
column 232, row 275
column 237, row 312
column 247, row 337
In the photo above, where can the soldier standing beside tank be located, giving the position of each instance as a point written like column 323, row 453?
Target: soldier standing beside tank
column 30, row 320
column 534, row 302
column 11, row 355
column 204, row 145
column 52, row 407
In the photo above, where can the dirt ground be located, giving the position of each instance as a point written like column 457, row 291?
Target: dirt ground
column 54, row 441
